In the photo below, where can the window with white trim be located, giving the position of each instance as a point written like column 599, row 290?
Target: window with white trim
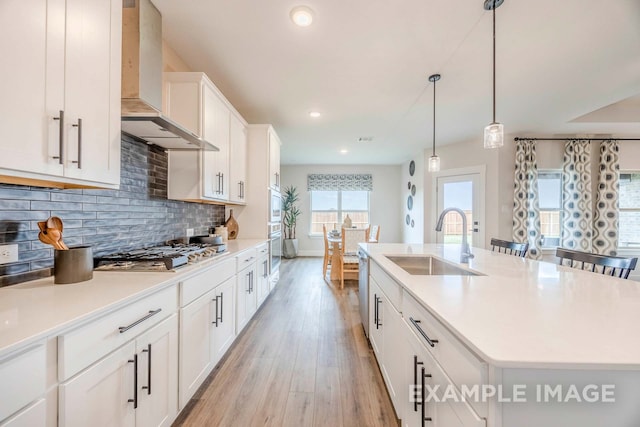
column 331, row 208
column 629, row 217
column 550, row 203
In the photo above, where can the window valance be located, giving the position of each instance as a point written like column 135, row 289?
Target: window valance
column 344, row 182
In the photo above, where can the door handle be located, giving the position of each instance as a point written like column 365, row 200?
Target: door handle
column 79, row 161
column 148, row 386
column 60, row 118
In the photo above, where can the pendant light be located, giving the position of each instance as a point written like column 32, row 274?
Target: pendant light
column 494, row 133
column 434, row 160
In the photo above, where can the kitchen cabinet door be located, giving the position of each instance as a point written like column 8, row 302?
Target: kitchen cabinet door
column 31, row 83
column 216, row 130
column 61, row 91
column 262, row 284
column 376, row 319
column 195, row 345
column 394, row 347
column 223, row 323
column 92, row 89
column 33, row 416
column 103, row 395
column 237, row 160
column 274, row 161
column 247, row 301
column 157, row 383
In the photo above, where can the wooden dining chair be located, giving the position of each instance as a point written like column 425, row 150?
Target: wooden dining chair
column 349, row 251
column 509, row 248
column 610, row 265
column 328, row 251
column 373, row 235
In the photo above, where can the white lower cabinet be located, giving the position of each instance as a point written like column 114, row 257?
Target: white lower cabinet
column 22, row 380
column 33, row 415
column 247, row 300
column 262, row 285
column 136, row 385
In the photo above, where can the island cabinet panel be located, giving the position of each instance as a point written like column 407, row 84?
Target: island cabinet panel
column 23, row 380
column 61, row 92
column 461, row 365
column 385, row 331
column 421, row 369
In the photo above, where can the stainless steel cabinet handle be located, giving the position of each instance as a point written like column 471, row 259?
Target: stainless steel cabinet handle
column 430, row 341
column 79, row 161
column 266, row 273
column 148, row 386
column 215, row 322
column 221, row 306
column 137, row 322
column 135, row 381
column 60, row 137
column 378, row 323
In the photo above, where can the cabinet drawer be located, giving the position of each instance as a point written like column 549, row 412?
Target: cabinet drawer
column 22, row 380
column 390, row 287
column 82, row 346
column 459, row 363
column 33, row 416
column 198, row 285
column 262, row 249
column 246, row 258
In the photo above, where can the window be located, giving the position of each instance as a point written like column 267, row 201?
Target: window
column 550, row 194
column 629, row 219
column 331, row 207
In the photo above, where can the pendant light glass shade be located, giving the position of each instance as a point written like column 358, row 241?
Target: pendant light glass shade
column 434, row 163
column 494, row 135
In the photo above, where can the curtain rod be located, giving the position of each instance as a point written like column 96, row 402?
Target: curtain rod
column 574, row 139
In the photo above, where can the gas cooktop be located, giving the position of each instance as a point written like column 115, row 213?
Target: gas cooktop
column 158, row 258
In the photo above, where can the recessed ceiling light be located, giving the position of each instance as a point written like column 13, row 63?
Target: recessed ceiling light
column 314, row 114
column 302, row 16
column 344, row 151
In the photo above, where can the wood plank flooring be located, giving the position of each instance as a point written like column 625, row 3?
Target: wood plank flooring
column 302, row 361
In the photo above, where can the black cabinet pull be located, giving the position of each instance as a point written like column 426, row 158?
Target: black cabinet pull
column 221, row 306
column 415, row 384
column 137, row 322
column 60, row 137
column 430, row 341
column 79, row 161
column 378, row 322
column 375, row 310
column 148, row 386
column 215, row 317
column 135, row 381
column 422, row 398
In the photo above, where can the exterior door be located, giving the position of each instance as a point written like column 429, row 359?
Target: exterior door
column 465, row 192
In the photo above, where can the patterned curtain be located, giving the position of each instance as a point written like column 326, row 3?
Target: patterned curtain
column 577, row 218
column 526, row 211
column 605, row 224
column 334, row 182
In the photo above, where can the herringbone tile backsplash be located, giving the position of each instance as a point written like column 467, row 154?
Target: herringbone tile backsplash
column 136, row 215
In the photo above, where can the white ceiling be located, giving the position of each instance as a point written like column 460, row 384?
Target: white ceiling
column 364, row 64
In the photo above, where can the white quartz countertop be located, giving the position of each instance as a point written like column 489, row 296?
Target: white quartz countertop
column 525, row 313
column 33, row 310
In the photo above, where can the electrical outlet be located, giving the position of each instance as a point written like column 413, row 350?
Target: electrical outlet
column 189, row 232
column 8, row 254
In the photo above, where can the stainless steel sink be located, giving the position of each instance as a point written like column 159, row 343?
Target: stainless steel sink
column 428, row 266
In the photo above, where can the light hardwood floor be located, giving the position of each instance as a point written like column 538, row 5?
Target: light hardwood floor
column 302, row 361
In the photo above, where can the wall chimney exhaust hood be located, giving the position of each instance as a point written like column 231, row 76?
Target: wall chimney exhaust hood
column 142, row 116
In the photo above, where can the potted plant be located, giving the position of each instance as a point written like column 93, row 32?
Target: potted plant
column 290, row 214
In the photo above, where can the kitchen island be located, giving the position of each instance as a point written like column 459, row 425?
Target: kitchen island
column 534, row 331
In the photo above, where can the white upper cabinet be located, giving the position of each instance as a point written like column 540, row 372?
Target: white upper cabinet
column 237, row 161
column 274, row 160
column 61, row 94
column 192, row 100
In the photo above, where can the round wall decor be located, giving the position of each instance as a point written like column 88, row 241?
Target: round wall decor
column 408, row 219
column 412, row 167
column 409, row 185
column 413, row 190
column 412, row 223
column 410, row 202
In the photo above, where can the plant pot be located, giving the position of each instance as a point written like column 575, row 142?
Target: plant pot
column 290, row 248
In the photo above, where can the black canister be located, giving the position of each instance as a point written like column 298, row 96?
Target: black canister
column 73, row 265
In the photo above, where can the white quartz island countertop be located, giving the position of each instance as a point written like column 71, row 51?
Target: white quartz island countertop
column 524, row 313
column 32, row 310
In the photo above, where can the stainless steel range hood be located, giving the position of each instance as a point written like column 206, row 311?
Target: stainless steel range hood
column 142, row 116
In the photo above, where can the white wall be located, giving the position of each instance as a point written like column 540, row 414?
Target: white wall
column 413, row 234
column 384, row 203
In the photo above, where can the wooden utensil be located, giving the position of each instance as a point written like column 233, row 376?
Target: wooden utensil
column 46, row 239
column 54, row 229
